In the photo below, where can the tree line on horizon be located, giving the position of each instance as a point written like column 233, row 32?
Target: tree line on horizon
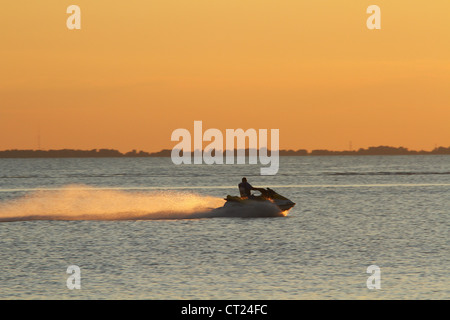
column 110, row 153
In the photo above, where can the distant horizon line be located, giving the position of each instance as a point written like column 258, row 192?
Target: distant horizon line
column 104, row 152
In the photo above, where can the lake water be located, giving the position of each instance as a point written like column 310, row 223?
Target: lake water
column 141, row 228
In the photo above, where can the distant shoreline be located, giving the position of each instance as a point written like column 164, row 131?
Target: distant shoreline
column 111, row 153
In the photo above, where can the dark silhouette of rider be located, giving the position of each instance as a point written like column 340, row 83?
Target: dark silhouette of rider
column 245, row 189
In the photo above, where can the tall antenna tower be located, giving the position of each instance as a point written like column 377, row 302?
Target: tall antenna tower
column 39, row 137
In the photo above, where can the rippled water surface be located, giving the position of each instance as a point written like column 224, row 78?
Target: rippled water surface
column 142, row 228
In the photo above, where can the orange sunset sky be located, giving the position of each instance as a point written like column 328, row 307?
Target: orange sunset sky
column 137, row 70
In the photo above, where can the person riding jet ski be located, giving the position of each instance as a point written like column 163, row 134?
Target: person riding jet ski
column 245, row 189
column 267, row 195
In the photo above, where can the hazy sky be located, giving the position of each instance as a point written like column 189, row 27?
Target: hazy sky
column 137, row 70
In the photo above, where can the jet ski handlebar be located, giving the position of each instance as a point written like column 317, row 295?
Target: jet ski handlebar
column 266, row 192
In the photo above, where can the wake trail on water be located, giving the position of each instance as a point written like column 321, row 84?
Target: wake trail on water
column 89, row 203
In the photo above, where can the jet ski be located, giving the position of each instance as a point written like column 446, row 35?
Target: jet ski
column 267, row 195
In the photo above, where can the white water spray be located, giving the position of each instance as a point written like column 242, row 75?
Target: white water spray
column 89, row 203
